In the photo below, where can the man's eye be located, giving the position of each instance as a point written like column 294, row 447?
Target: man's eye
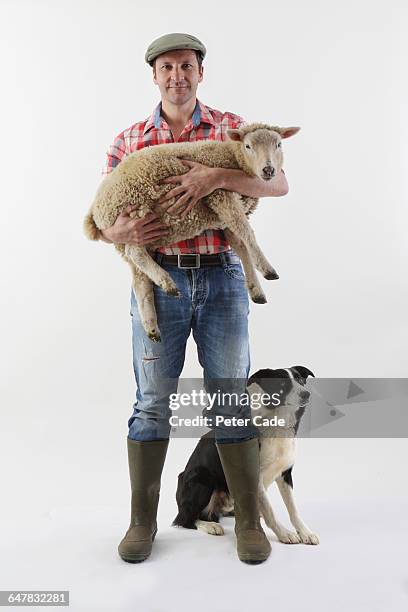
column 187, row 65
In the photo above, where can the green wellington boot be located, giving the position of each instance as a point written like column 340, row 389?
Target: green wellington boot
column 240, row 462
column 146, row 460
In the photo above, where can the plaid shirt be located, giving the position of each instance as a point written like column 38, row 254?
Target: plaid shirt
column 205, row 124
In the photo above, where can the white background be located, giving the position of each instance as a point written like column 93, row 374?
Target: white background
column 73, row 76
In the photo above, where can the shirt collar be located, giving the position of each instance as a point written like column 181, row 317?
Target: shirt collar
column 201, row 114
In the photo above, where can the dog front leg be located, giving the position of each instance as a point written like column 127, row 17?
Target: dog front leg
column 283, row 534
column 305, row 534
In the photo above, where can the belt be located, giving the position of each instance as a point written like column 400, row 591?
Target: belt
column 196, row 260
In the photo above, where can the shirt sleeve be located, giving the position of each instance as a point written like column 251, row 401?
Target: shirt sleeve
column 240, row 123
column 230, row 122
column 115, row 154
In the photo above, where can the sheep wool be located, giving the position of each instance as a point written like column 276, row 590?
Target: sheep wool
column 254, row 149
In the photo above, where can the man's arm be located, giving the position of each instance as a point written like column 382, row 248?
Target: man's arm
column 127, row 229
column 254, row 187
column 114, row 156
column 202, row 180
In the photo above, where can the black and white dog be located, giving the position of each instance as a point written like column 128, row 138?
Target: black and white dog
column 202, row 492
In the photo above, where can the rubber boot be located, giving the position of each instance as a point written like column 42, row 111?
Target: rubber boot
column 146, row 460
column 240, row 462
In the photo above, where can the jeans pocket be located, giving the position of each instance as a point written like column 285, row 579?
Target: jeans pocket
column 234, row 271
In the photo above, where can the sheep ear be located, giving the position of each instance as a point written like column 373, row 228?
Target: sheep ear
column 234, row 135
column 288, row 132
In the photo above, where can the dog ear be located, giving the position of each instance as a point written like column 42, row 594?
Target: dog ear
column 304, row 372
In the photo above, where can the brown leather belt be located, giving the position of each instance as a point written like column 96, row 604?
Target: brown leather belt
column 195, row 260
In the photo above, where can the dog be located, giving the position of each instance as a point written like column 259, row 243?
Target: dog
column 202, row 492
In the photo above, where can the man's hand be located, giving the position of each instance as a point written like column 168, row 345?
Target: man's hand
column 135, row 231
column 190, row 187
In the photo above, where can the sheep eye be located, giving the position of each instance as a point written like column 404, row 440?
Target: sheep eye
column 247, row 147
column 279, row 145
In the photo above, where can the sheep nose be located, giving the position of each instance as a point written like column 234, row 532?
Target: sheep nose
column 268, row 171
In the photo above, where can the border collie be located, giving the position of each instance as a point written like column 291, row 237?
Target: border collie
column 202, row 491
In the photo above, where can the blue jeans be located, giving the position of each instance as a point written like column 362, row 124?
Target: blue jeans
column 214, row 305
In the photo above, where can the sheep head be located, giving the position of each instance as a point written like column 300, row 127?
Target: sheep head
column 260, row 149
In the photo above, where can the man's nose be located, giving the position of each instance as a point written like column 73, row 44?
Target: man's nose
column 176, row 75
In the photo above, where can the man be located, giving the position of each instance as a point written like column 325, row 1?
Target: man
column 214, row 303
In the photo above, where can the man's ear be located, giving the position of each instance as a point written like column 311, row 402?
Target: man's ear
column 234, row 135
column 201, row 73
column 287, row 132
column 304, row 372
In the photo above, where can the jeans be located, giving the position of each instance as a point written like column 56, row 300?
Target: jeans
column 214, row 305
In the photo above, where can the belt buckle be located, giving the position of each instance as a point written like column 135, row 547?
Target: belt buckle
column 196, row 257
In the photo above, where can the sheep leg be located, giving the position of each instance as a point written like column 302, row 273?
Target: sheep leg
column 143, row 260
column 229, row 210
column 143, row 290
column 254, row 288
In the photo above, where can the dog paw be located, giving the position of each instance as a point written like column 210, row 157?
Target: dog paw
column 210, row 527
column 215, row 529
column 288, row 537
column 307, row 537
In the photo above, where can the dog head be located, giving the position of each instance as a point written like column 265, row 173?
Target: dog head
column 285, row 385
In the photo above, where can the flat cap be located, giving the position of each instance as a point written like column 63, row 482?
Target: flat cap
column 171, row 42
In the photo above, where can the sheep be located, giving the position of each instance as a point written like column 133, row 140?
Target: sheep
column 254, row 148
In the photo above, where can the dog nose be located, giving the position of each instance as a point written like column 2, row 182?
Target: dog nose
column 268, row 171
column 305, row 395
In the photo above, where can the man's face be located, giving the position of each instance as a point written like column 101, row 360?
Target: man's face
column 177, row 75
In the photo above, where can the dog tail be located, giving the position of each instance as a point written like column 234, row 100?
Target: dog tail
column 91, row 230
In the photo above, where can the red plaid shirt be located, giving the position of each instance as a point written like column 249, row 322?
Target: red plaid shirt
column 205, row 124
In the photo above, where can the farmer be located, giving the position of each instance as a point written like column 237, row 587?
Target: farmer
column 214, row 302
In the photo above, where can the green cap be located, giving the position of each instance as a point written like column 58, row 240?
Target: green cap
column 171, row 42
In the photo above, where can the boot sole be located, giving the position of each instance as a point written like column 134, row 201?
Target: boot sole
column 252, row 559
column 137, row 558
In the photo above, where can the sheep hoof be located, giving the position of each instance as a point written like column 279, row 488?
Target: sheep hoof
column 154, row 335
column 259, row 299
column 271, row 275
column 174, row 292
column 170, row 288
